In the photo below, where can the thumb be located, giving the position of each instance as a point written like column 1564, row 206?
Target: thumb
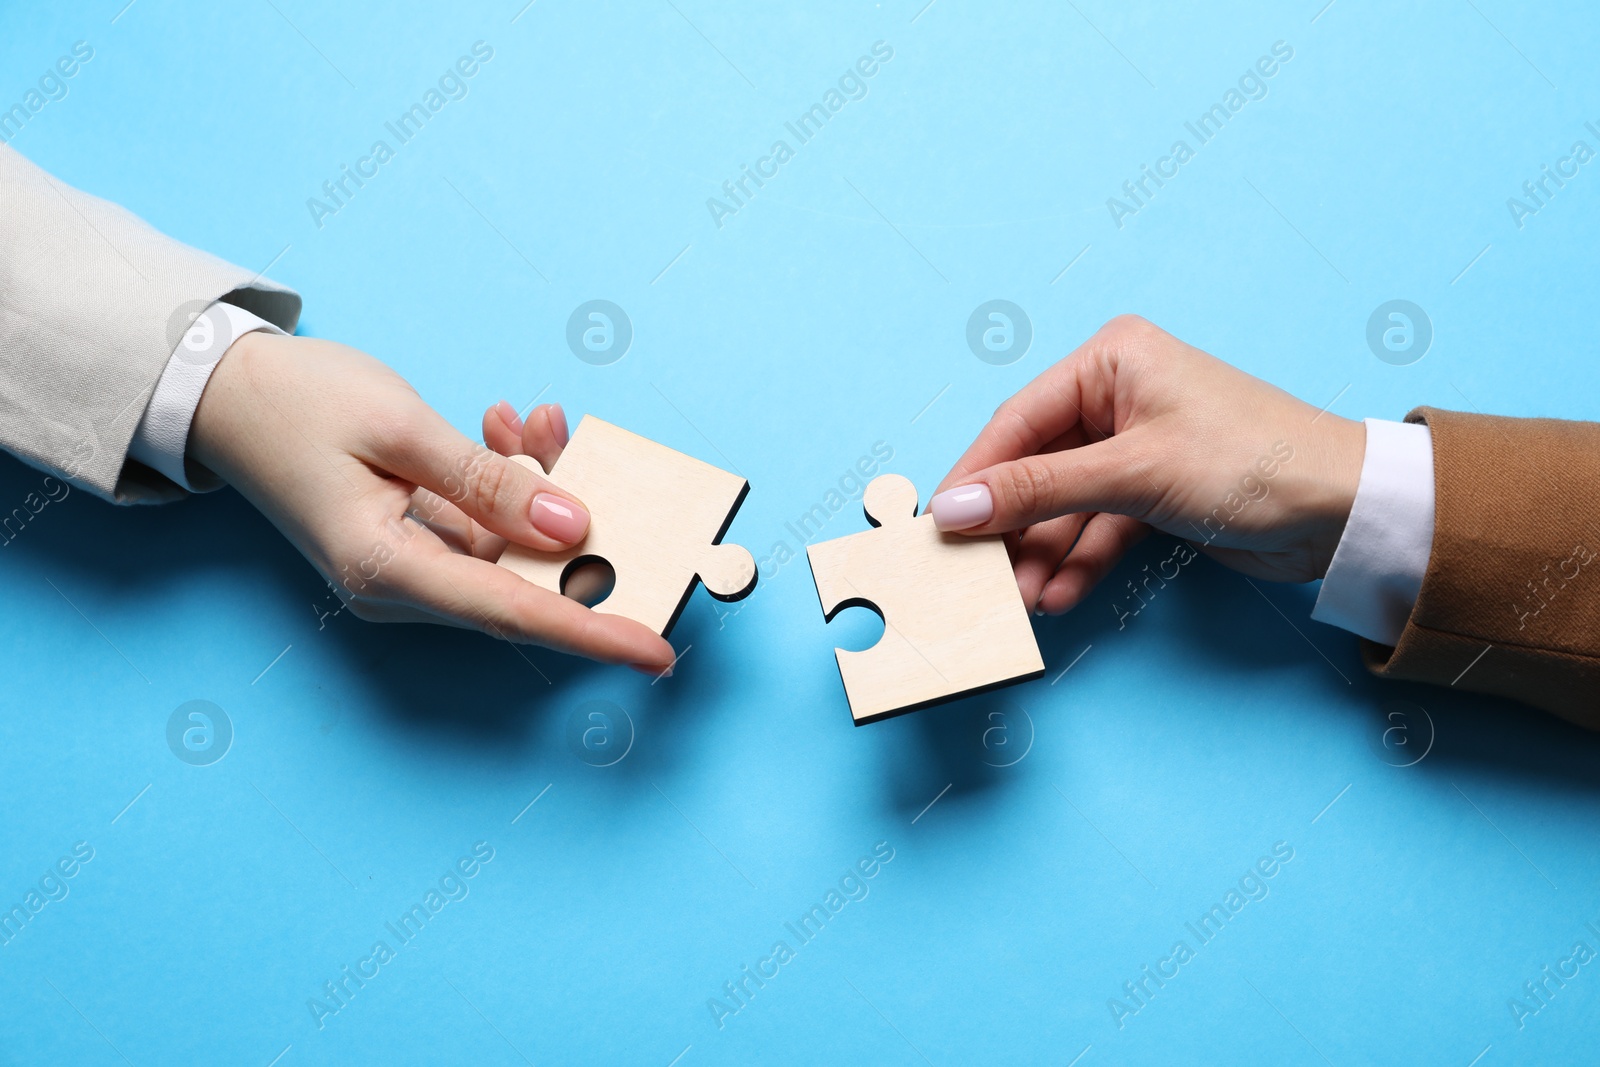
column 506, row 497
column 1103, row 476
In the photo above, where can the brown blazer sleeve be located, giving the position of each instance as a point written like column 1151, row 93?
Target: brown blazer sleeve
column 1510, row 603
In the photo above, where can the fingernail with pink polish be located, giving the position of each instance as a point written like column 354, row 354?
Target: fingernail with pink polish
column 963, row 507
column 559, row 518
column 508, row 415
column 558, row 424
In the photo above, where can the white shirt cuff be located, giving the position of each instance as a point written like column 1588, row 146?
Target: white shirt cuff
column 1378, row 567
column 161, row 440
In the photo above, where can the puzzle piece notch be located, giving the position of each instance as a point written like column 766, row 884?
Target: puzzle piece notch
column 657, row 517
column 954, row 621
column 888, row 498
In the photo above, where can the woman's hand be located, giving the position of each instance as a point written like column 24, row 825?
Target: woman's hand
column 401, row 513
column 1137, row 430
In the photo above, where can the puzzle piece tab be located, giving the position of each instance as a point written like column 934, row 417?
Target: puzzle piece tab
column 954, row 622
column 656, row 515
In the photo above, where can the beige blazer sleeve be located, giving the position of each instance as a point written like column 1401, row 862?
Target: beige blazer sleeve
column 1510, row 603
column 93, row 302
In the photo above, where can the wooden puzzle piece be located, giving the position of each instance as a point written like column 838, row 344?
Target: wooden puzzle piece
column 954, row 622
column 655, row 515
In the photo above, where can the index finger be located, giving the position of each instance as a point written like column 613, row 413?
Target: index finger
column 1048, row 410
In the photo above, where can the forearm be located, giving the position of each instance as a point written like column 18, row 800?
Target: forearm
column 94, row 304
column 1510, row 602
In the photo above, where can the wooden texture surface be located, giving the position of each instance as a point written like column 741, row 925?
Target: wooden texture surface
column 655, row 515
column 953, row 621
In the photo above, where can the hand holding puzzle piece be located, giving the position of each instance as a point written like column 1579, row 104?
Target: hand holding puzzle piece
column 953, row 620
column 656, row 515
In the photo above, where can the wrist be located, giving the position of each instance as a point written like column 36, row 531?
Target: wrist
column 216, row 432
column 1332, row 476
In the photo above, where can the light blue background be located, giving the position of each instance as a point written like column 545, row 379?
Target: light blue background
column 1173, row 754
